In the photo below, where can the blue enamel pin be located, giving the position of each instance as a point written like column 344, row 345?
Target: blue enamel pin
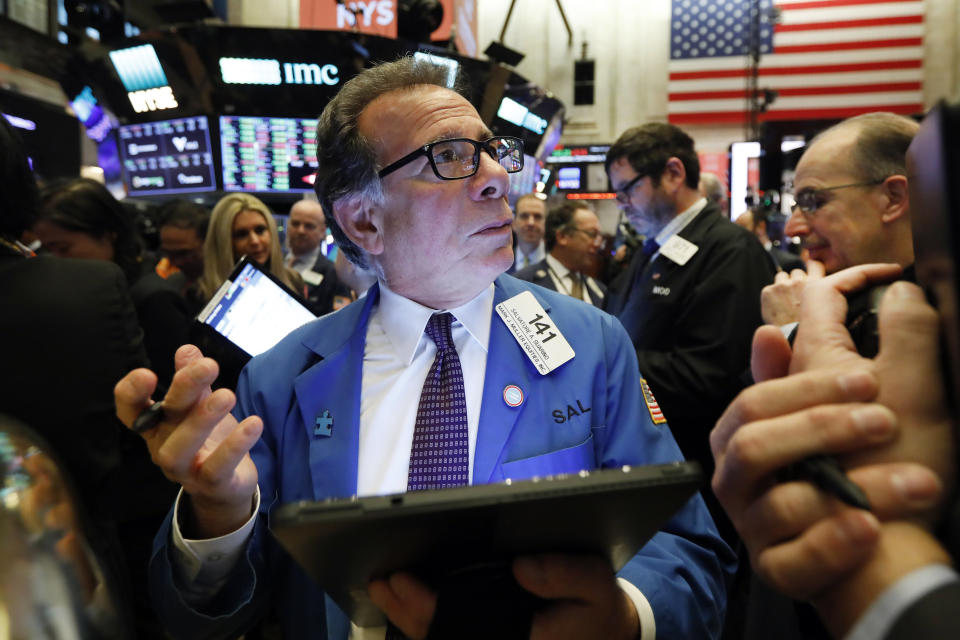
column 324, row 425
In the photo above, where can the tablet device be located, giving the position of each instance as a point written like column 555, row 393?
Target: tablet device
column 253, row 310
column 344, row 543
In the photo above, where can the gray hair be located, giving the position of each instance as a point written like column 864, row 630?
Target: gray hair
column 347, row 161
column 880, row 149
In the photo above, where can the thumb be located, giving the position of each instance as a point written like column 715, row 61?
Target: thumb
column 771, row 353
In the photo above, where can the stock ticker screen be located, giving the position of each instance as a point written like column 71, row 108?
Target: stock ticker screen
column 168, row 156
column 268, row 154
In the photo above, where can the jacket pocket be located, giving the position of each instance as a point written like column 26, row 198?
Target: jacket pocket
column 569, row 460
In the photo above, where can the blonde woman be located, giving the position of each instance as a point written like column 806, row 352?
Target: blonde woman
column 241, row 224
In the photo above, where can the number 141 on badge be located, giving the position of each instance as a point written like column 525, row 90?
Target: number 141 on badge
column 535, row 331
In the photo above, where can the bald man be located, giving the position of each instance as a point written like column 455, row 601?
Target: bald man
column 852, row 205
column 305, row 233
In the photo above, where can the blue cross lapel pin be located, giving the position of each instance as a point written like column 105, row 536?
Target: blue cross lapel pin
column 324, row 424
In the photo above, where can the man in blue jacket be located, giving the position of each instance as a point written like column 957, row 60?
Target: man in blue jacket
column 413, row 186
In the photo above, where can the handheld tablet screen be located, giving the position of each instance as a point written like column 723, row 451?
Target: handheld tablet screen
column 344, row 543
column 253, row 311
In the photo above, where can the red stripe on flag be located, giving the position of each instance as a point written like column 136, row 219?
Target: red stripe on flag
column 846, row 46
column 846, row 24
column 805, row 70
column 798, row 91
column 826, row 4
column 839, row 113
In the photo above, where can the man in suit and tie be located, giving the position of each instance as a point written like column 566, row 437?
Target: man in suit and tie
column 690, row 299
column 363, row 401
column 305, row 233
column 530, row 213
column 573, row 238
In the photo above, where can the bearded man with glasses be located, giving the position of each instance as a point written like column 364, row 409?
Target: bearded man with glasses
column 851, row 206
column 691, row 299
column 421, row 386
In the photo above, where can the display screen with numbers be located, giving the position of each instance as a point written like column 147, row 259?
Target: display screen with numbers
column 262, row 154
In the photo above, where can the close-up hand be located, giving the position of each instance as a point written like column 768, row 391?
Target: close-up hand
column 780, row 301
column 803, row 542
column 587, row 601
column 198, row 443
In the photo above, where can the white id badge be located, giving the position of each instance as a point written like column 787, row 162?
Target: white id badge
column 679, row 250
column 312, row 278
column 535, row 332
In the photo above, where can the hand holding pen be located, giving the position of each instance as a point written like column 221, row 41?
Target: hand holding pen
column 802, row 539
column 195, row 440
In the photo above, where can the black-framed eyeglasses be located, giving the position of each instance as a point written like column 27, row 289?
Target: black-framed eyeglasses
column 623, row 193
column 593, row 234
column 809, row 200
column 459, row 158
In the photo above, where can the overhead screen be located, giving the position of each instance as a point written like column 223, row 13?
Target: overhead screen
column 167, row 156
column 262, row 154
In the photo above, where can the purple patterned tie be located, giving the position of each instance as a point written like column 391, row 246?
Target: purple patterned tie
column 439, row 456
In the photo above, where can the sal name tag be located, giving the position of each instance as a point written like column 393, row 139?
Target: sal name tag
column 678, row 250
column 535, row 332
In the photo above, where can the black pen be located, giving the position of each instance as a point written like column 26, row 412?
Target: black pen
column 826, row 473
column 149, row 418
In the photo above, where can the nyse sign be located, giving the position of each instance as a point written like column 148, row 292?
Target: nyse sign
column 270, row 71
column 379, row 11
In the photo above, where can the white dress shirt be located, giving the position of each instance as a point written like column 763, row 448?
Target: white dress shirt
column 562, row 281
column 522, row 259
column 396, row 359
column 304, row 261
column 678, row 224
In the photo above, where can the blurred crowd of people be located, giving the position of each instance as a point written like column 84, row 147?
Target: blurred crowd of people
column 721, row 344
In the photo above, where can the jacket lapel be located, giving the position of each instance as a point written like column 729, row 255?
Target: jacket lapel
column 506, row 365
column 330, row 390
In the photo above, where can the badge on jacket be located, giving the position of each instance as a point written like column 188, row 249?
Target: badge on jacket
column 534, row 330
column 655, row 413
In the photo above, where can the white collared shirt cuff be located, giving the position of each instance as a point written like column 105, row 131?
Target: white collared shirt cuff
column 897, row 598
column 209, row 561
column 648, row 626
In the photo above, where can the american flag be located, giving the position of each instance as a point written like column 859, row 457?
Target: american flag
column 824, row 58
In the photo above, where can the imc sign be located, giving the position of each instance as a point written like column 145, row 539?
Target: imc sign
column 270, row 71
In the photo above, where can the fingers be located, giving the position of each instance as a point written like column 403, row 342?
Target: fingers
column 184, row 355
column 132, row 394
column 177, row 453
column 803, row 567
column 822, row 336
column 786, row 395
column 815, row 269
column 895, row 491
column 218, row 469
column 588, row 603
column 745, row 467
column 820, row 297
column 407, row 602
column 587, row 578
column 771, row 354
column 908, row 325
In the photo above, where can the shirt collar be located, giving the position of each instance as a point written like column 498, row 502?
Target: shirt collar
column 305, row 261
column 404, row 320
column 557, row 267
column 682, row 220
